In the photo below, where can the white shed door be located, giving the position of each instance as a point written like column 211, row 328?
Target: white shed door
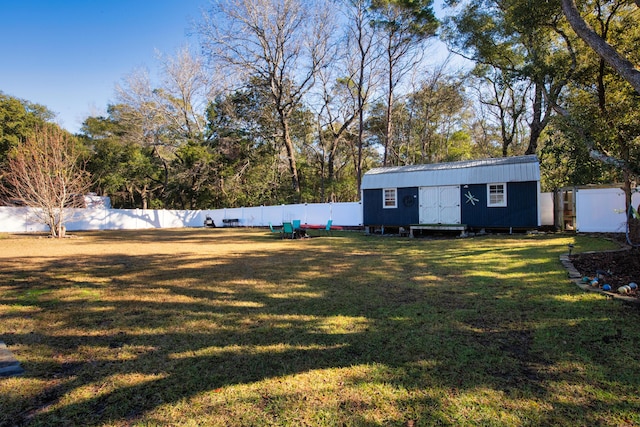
column 440, row 205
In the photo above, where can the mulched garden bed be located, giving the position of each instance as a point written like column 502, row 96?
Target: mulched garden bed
column 622, row 267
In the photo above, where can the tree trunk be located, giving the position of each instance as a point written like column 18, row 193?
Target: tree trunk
column 619, row 63
column 291, row 154
column 388, row 143
column 537, row 124
column 53, row 227
column 144, row 196
column 360, row 144
column 331, row 173
column 388, row 129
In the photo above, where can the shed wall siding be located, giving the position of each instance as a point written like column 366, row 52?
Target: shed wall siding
column 375, row 214
column 521, row 210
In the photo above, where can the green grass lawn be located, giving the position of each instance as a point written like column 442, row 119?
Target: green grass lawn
column 235, row 327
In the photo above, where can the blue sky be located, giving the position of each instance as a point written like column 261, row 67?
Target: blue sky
column 69, row 54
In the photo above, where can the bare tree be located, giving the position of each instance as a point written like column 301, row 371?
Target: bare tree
column 361, row 64
column 45, row 172
column 184, row 94
column 171, row 112
column 279, row 44
column 336, row 113
column 506, row 101
column 167, row 115
column 436, row 107
column 403, row 37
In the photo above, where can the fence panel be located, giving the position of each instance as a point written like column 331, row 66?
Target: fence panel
column 546, row 208
column 602, row 210
column 349, row 214
column 19, row 220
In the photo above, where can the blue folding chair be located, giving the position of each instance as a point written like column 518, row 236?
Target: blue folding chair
column 288, row 231
column 275, row 230
column 327, row 228
column 297, row 229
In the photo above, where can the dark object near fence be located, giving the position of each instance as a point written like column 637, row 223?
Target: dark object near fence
column 231, row 222
column 208, row 222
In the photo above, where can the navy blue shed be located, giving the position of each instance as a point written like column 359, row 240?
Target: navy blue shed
column 488, row 193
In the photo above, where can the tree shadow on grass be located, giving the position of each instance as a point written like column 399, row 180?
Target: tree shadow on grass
column 177, row 236
column 160, row 330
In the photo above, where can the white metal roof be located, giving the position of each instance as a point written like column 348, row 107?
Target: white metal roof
column 502, row 169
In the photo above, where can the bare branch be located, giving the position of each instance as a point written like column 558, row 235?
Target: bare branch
column 607, row 52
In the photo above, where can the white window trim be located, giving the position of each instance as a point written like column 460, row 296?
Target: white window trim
column 502, row 204
column 384, row 198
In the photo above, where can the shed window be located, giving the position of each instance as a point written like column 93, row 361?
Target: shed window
column 390, row 196
column 496, row 195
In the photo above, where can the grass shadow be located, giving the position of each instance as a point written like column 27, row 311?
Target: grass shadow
column 398, row 331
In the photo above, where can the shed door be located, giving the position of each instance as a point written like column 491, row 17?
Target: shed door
column 440, row 205
column 429, row 210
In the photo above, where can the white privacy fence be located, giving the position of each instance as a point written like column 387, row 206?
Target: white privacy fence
column 17, row 220
column 597, row 210
column 546, row 209
column 343, row 214
column 602, row 210
column 21, row 220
